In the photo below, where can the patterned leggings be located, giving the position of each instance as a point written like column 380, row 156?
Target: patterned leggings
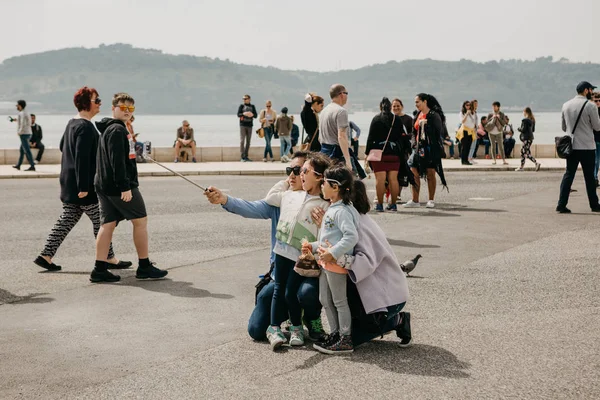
column 66, row 222
column 526, row 152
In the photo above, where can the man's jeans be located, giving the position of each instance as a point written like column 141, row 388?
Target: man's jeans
column 597, row 160
column 308, row 296
column 245, row 138
column 25, row 150
column 587, row 159
column 285, row 143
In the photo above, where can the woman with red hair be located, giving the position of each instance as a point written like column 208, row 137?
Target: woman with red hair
column 78, row 167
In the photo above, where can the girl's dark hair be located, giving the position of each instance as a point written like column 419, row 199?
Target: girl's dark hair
column 399, row 101
column 464, row 107
column 483, row 119
column 360, row 199
column 529, row 113
column 344, row 176
column 433, row 104
column 319, row 161
column 386, row 110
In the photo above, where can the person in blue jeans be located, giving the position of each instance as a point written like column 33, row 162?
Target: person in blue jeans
column 308, row 292
column 24, row 131
column 596, row 99
column 267, row 118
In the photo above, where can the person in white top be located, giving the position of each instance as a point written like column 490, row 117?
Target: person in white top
column 468, row 123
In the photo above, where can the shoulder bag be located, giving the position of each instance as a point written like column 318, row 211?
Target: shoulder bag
column 564, row 144
column 376, row 154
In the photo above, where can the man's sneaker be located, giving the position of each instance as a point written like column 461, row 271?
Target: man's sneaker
column 99, row 276
column 379, row 207
column 242, row 160
column 563, row 210
column 342, row 345
column 297, row 335
column 275, row 337
column 176, row 160
column 392, row 207
column 403, row 330
column 315, row 330
column 150, row 272
column 411, row 204
column 32, row 168
column 520, row 169
column 430, row 204
column 17, row 167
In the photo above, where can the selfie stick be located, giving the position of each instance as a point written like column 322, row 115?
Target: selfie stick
column 147, row 157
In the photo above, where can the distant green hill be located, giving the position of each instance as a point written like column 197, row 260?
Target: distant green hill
column 181, row 84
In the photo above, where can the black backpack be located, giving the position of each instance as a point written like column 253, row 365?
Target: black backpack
column 264, row 281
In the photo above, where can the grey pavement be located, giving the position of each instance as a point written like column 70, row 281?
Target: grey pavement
column 504, row 303
column 268, row 168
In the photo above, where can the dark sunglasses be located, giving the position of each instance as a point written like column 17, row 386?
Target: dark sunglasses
column 98, row 100
column 295, row 170
column 596, row 100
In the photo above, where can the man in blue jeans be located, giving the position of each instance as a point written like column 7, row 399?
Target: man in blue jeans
column 24, row 132
column 308, row 293
column 333, row 126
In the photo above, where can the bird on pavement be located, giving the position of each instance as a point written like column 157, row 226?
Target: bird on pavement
column 408, row 266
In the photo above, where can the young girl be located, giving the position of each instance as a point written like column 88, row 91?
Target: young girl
column 337, row 237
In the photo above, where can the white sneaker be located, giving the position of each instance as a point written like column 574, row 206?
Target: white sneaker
column 519, row 169
column 430, row 204
column 411, row 204
column 537, row 166
column 297, row 335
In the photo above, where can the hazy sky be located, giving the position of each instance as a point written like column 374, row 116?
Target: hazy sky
column 315, row 35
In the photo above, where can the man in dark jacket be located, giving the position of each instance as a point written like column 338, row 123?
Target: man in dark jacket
column 116, row 184
column 36, row 139
column 246, row 113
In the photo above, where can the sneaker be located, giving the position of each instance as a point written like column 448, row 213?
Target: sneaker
column 328, row 339
column 242, row 160
column 32, row 168
column 403, row 330
column 520, row 169
column 297, row 335
column 538, row 166
column 411, row 204
column 18, row 167
column 392, row 207
column 194, row 159
column 342, row 345
column 285, row 326
column 176, row 160
column 563, row 210
column 150, row 272
column 315, row 330
column 120, row 265
column 264, row 160
column 379, row 207
column 99, row 276
column 430, row 204
column 248, row 160
column 41, row 262
column 275, row 337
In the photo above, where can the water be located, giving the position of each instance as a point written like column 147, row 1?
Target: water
column 223, row 130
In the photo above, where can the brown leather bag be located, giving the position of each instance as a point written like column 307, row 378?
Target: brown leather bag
column 307, row 146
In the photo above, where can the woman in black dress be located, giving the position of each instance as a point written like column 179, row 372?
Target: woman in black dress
column 313, row 105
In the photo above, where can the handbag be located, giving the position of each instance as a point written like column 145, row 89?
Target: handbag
column 376, row 154
column 307, row 146
column 264, row 281
column 564, row 144
column 260, row 132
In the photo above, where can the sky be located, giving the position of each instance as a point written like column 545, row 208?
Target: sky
column 325, row 35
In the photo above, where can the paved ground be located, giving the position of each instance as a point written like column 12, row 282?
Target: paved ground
column 269, row 168
column 505, row 302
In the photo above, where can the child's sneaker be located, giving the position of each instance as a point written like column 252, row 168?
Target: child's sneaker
column 275, row 337
column 315, row 330
column 327, row 339
column 296, row 335
column 341, row 346
column 285, row 326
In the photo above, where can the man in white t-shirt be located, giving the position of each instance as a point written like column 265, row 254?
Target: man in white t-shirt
column 333, row 126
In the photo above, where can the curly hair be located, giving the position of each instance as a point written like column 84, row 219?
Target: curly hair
column 83, row 98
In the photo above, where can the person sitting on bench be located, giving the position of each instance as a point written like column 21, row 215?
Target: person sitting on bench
column 185, row 138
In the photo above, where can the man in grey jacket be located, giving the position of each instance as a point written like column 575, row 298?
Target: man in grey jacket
column 584, row 146
column 24, row 132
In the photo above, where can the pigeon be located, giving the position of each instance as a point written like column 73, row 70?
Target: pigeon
column 408, row 266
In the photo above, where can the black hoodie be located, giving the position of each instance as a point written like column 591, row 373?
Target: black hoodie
column 116, row 169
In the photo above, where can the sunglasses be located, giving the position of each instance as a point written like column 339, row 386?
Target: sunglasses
column 123, row 107
column 98, row 100
column 306, row 171
column 295, row 170
column 596, row 100
column 334, row 181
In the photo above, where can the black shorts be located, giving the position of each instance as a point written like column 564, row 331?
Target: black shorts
column 113, row 209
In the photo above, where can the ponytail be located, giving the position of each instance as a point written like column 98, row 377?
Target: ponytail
column 360, row 199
